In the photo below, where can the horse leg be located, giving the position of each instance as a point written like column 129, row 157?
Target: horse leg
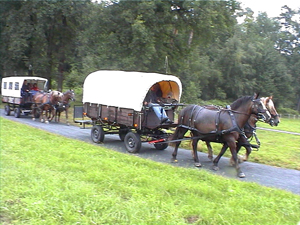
column 195, row 153
column 178, row 134
column 67, row 118
column 51, row 114
column 242, row 141
column 216, row 160
column 33, row 111
column 58, row 116
column 248, row 152
column 42, row 116
column 232, row 146
column 210, row 151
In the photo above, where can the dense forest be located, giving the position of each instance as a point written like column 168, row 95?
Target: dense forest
column 215, row 56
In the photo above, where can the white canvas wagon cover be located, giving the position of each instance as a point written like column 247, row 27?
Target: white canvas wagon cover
column 127, row 89
column 11, row 86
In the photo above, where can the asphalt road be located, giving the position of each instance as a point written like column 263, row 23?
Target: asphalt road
column 269, row 176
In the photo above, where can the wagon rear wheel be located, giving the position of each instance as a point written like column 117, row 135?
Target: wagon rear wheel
column 17, row 112
column 7, row 110
column 97, row 134
column 132, row 142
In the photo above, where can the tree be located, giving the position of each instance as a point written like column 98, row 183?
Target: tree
column 41, row 34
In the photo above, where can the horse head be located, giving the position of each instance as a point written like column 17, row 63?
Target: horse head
column 69, row 95
column 268, row 102
column 260, row 109
column 56, row 97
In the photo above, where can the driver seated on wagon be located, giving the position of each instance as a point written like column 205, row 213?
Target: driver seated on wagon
column 153, row 100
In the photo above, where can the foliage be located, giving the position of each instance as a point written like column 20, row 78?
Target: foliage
column 288, row 111
column 213, row 55
column 65, row 181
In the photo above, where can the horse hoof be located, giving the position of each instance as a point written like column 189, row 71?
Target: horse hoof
column 198, row 164
column 174, row 160
column 231, row 162
column 47, row 122
column 33, row 119
column 241, row 158
column 215, row 168
column 241, row 175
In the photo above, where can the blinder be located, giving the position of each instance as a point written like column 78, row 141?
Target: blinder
column 261, row 110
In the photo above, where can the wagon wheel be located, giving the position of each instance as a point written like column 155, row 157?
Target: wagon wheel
column 162, row 146
column 132, row 142
column 97, row 134
column 17, row 112
column 7, row 110
column 37, row 113
column 123, row 132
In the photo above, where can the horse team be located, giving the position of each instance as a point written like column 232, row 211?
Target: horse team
column 48, row 105
column 231, row 126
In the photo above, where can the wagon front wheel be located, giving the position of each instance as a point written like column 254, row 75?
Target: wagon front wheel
column 122, row 133
column 97, row 134
column 162, row 146
column 17, row 112
column 132, row 142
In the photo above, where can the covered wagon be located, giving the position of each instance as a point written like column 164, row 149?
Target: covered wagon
column 115, row 102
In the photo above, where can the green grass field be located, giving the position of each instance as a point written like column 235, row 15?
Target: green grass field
column 49, row 179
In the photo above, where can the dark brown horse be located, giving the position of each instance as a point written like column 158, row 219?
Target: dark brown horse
column 250, row 131
column 44, row 103
column 64, row 107
column 223, row 126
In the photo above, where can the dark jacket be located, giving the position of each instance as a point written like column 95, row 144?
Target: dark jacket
column 153, row 96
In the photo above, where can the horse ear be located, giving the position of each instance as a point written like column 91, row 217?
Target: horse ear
column 271, row 97
column 255, row 96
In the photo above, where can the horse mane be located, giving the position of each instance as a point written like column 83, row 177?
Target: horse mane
column 237, row 103
column 68, row 91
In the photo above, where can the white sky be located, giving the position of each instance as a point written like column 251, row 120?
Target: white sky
column 271, row 7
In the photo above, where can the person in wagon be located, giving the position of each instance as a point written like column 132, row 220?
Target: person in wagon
column 34, row 89
column 25, row 90
column 153, row 100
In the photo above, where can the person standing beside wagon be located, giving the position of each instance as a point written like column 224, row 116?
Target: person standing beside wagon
column 25, row 91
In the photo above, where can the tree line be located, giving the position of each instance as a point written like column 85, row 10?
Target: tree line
column 201, row 42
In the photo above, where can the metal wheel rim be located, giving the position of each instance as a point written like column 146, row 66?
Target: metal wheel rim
column 96, row 134
column 131, row 142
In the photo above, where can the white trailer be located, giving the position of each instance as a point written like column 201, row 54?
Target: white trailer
column 12, row 96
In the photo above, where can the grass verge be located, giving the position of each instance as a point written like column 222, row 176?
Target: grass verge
column 49, row 179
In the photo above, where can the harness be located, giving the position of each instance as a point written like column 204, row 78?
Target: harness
column 217, row 131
